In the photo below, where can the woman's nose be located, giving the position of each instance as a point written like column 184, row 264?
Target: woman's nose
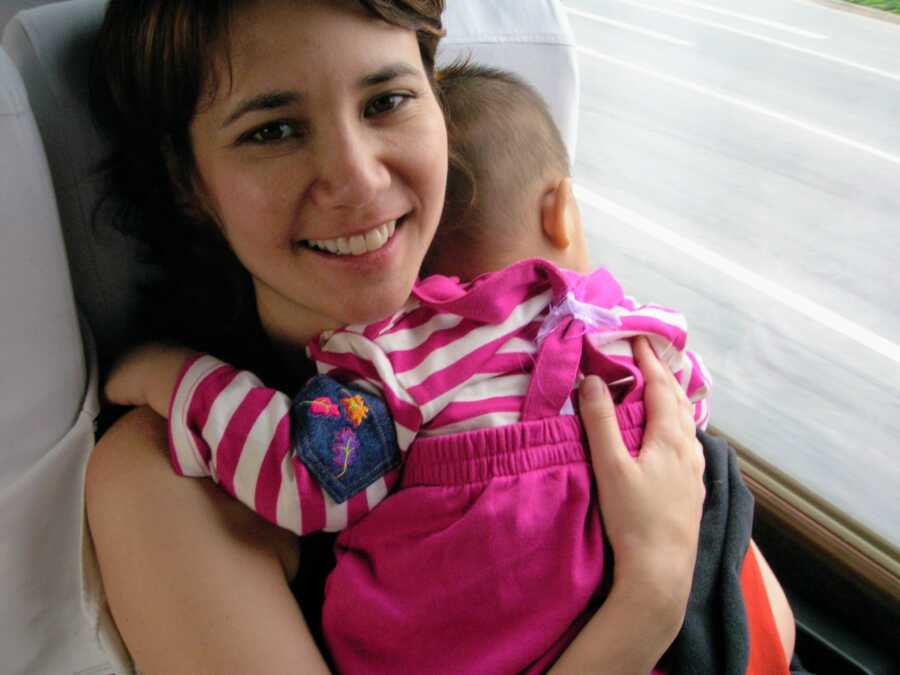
column 351, row 168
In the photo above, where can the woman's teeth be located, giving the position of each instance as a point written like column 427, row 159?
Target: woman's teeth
column 358, row 244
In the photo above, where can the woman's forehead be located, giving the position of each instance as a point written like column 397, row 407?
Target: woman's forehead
column 294, row 41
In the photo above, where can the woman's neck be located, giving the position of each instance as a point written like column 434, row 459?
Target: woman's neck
column 293, row 364
column 289, row 329
column 287, row 323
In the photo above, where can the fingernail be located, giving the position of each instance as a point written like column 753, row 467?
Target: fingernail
column 593, row 388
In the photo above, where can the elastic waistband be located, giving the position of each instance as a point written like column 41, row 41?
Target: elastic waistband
column 482, row 454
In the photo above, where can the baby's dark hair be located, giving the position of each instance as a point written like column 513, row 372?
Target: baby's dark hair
column 503, row 141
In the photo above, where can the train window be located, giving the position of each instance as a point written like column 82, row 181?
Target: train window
column 741, row 162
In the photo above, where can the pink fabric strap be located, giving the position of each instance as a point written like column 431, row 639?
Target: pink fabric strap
column 561, row 340
column 554, row 373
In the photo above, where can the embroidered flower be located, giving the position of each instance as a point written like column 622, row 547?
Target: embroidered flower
column 324, row 407
column 345, row 445
column 356, row 409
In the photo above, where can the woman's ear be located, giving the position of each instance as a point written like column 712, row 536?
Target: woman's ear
column 560, row 219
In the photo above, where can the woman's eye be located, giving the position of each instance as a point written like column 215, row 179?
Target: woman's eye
column 384, row 104
column 272, row 133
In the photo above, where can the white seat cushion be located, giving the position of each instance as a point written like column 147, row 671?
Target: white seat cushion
column 46, row 413
column 531, row 38
column 52, row 46
column 9, row 8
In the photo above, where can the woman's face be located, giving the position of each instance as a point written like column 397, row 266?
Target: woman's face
column 323, row 157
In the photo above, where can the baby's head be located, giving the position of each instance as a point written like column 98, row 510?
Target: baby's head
column 509, row 195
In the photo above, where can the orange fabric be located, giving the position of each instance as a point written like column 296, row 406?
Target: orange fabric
column 766, row 651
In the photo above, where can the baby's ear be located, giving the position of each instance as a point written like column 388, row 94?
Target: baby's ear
column 559, row 215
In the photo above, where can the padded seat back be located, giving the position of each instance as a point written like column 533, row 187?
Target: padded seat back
column 47, row 408
column 52, row 47
column 9, row 8
column 531, row 38
column 42, row 360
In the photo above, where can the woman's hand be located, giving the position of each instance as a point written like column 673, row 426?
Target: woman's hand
column 651, row 504
column 147, row 375
column 651, row 507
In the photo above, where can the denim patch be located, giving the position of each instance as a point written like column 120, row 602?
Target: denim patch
column 344, row 435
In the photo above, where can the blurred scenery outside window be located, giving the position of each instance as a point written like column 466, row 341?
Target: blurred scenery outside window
column 740, row 161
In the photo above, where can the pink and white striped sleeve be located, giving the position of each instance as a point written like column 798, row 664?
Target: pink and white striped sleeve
column 223, row 423
column 667, row 331
column 697, row 381
column 353, row 357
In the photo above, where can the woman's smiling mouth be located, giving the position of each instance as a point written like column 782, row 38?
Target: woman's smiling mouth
column 357, row 244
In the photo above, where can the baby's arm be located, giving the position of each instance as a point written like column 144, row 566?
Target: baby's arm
column 306, row 465
column 147, row 376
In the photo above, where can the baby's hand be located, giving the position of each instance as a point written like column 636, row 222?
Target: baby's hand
column 147, row 375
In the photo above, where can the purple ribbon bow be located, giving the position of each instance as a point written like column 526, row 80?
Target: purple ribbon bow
column 592, row 317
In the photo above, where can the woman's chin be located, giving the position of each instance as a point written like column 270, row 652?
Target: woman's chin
column 375, row 305
column 373, row 297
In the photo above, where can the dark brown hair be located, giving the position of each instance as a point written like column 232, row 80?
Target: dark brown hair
column 504, row 140
column 153, row 62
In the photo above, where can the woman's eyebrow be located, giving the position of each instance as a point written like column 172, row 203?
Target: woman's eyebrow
column 388, row 73
column 266, row 101
column 279, row 99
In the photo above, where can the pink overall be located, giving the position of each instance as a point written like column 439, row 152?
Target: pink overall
column 490, row 556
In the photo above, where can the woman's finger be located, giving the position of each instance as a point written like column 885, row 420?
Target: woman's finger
column 660, row 401
column 685, row 406
column 598, row 415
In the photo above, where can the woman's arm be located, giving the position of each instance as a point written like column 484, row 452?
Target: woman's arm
column 651, row 508
column 781, row 609
column 196, row 582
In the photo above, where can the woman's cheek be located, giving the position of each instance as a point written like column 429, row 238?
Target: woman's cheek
column 430, row 152
column 257, row 204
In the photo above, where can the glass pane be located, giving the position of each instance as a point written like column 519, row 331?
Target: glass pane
column 741, row 162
